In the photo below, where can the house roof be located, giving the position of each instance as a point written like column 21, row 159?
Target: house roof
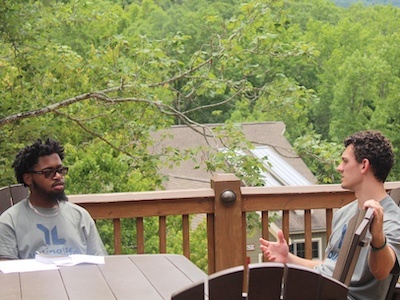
column 280, row 172
column 285, row 168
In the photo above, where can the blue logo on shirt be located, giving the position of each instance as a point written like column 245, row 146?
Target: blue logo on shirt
column 333, row 255
column 51, row 236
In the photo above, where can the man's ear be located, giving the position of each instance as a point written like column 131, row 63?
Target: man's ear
column 365, row 165
column 27, row 179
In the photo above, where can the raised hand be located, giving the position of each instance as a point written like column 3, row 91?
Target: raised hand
column 275, row 251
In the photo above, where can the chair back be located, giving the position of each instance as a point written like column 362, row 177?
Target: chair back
column 332, row 288
column 353, row 241
column 5, row 198
column 265, row 279
column 11, row 194
column 393, row 293
column 291, row 282
column 18, row 192
column 226, row 284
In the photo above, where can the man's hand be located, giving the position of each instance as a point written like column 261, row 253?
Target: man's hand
column 376, row 227
column 275, row 251
column 382, row 260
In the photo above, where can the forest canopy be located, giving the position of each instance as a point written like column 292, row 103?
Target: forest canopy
column 347, row 3
column 102, row 76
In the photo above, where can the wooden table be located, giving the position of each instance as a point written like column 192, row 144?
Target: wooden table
column 142, row 277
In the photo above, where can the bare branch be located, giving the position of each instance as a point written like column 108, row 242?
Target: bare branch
column 44, row 110
column 80, row 124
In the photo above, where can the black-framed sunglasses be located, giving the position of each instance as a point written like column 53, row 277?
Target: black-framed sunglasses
column 50, row 173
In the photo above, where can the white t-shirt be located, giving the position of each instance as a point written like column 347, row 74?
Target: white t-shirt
column 72, row 231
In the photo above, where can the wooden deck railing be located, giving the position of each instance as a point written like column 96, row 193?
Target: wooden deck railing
column 225, row 203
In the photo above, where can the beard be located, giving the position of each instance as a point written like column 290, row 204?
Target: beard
column 54, row 196
column 60, row 196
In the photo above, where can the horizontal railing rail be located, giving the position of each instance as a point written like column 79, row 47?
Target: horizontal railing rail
column 225, row 205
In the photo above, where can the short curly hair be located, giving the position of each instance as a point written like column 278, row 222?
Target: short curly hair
column 29, row 156
column 373, row 146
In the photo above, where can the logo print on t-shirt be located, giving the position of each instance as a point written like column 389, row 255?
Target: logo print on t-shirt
column 344, row 229
column 51, row 236
column 333, row 255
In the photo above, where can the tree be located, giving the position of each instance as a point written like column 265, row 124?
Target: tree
column 358, row 92
column 321, row 157
column 111, row 92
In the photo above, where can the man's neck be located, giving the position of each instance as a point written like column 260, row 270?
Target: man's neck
column 42, row 201
column 375, row 190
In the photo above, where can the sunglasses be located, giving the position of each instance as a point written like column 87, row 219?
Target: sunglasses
column 50, row 173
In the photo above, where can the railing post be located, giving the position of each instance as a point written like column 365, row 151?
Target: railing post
column 229, row 235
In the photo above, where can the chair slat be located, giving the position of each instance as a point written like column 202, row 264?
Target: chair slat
column 349, row 253
column 394, row 288
column 332, row 289
column 265, row 281
column 5, row 199
column 300, row 283
column 226, row 284
column 18, row 192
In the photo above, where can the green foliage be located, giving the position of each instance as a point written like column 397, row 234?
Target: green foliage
column 321, row 157
column 103, row 76
column 198, row 246
column 231, row 156
column 347, row 3
column 363, row 86
column 96, row 169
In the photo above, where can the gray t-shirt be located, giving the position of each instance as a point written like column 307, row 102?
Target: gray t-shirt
column 72, row 231
column 363, row 284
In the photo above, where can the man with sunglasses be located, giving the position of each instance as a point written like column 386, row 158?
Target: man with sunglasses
column 46, row 221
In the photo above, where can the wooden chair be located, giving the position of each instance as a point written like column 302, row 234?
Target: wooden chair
column 353, row 241
column 226, row 284
column 394, row 289
column 265, row 279
column 291, row 282
column 18, row 192
column 11, row 194
column 5, row 199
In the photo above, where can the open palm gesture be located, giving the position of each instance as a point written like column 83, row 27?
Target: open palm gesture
column 275, row 251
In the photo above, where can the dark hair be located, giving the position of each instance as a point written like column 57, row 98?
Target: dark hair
column 29, row 156
column 373, row 146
